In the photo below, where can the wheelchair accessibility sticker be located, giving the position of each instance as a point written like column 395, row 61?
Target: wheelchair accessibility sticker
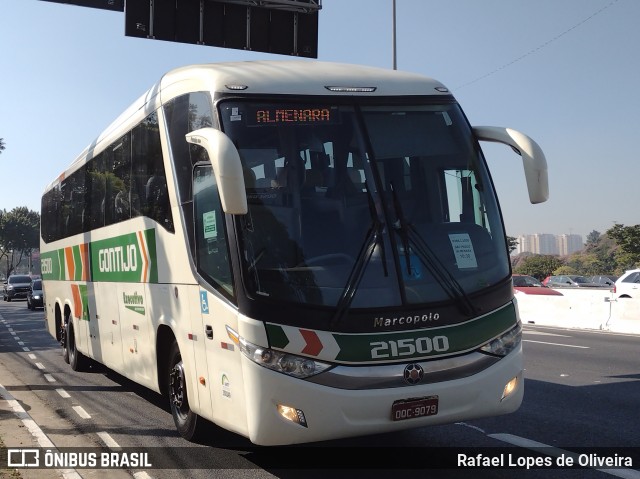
column 204, row 302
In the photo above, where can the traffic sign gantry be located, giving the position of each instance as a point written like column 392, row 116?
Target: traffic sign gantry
column 285, row 27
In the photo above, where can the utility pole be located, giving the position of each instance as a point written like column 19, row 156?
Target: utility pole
column 393, row 33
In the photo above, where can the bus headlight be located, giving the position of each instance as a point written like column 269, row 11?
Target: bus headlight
column 285, row 363
column 503, row 345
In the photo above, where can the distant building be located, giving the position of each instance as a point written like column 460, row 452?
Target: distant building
column 543, row 243
column 568, row 244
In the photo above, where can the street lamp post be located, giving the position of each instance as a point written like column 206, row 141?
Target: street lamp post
column 393, row 34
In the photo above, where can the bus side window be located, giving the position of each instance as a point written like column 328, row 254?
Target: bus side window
column 149, row 178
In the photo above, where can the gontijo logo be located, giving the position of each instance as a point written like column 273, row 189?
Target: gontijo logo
column 118, row 259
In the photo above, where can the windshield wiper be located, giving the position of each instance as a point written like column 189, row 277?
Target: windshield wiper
column 374, row 238
column 445, row 278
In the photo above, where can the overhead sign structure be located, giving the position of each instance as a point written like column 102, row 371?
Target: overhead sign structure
column 285, row 27
column 116, row 5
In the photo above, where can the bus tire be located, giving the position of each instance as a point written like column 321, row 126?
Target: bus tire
column 187, row 422
column 77, row 360
column 63, row 340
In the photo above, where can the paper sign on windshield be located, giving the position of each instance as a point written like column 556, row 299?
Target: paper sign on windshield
column 463, row 250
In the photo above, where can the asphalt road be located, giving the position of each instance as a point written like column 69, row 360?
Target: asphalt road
column 582, row 390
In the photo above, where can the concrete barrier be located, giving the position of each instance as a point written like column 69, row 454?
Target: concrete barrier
column 582, row 309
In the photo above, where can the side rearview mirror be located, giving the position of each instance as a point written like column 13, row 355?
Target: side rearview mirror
column 533, row 159
column 227, row 168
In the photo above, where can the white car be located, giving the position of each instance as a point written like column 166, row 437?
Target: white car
column 628, row 285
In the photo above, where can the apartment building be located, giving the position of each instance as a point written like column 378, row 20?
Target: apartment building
column 543, row 243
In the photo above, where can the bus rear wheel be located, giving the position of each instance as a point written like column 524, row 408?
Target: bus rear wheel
column 188, row 423
column 63, row 340
column 77, row 360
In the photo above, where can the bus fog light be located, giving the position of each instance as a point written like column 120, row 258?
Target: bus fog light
column 509, row 388
column 292, row 414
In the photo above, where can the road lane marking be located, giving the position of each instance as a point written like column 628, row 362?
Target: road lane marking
column 40, row 366
column 542, row 333
column 63, row 393
column 555, row 344
column 557, row 452
column 32, row 356
column 108, row 440
column 37, row 433
column 50, row 378
column 81, row 412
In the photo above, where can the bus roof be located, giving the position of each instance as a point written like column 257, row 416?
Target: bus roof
column 303, row 77
column 274, row 77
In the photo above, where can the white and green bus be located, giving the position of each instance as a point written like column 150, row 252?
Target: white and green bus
column 294, row 251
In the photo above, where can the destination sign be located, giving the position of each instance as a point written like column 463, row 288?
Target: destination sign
column 270, row 115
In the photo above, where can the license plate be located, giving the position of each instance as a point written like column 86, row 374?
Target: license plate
column 412, row 408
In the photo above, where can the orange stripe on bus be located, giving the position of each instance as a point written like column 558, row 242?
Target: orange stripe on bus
column 145, row 273
column 77, row 301
column 68, row 256
column 84, row 255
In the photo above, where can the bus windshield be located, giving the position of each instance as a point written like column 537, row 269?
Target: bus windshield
column 364, row 205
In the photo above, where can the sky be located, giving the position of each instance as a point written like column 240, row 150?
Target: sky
column 565, row 72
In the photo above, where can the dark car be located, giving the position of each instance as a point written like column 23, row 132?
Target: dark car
column 16, row 286
column 35, row 298
column 569, row 281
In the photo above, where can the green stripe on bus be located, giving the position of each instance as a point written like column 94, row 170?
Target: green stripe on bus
column 423, row 343
column 85, row 302
column 130, row 258
column 277, row 337
column 77, row 260
column 409, row 345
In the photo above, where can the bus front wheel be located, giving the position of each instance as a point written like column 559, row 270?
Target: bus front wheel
column 188, row 423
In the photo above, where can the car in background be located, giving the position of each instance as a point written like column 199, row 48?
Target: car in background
column 569, row 281
column 529, row 285
column 628, row 285
column 605, row 280
column 16, row 286
column 35, row 295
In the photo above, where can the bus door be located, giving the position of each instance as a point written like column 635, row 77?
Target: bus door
column 226, row 384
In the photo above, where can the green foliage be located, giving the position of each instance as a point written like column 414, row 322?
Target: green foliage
column 19, row 235
column 565, row 269
column 593, row 238
column 627, row 255
column 539, row 266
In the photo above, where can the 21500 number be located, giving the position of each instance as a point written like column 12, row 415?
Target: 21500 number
column 408, row 347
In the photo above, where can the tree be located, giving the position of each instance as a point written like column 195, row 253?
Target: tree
column 539, row 266
column 592, row 239
column 512, row 243
column 19, row 235
column 1, row 144
column 628, row 240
